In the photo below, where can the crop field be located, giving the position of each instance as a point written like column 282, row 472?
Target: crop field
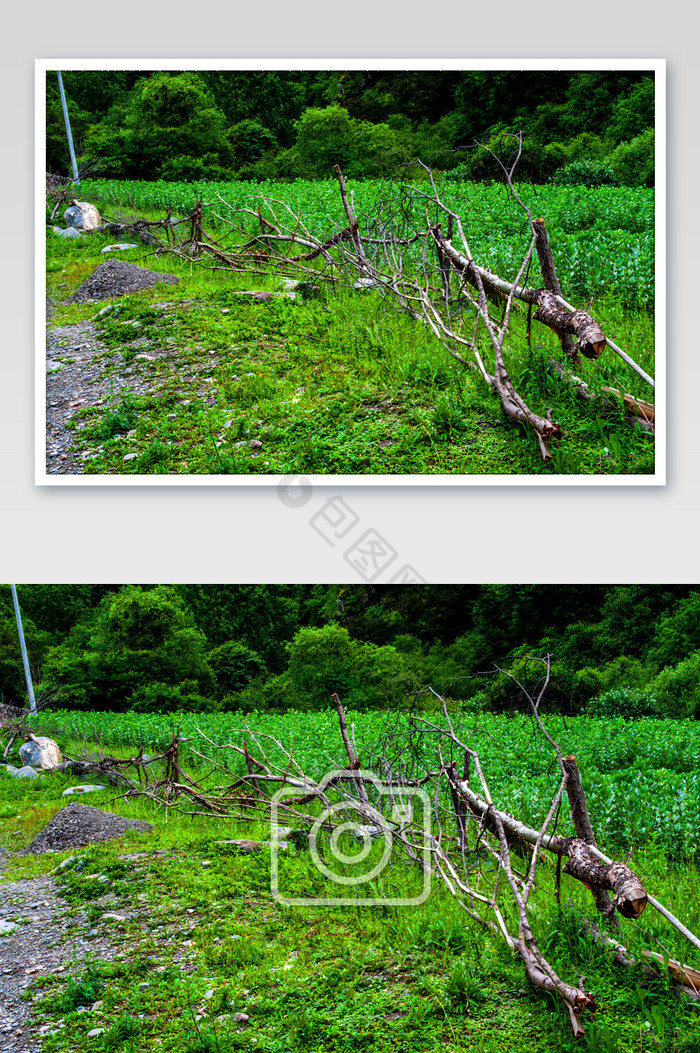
column 602, row 237
column 641, row 778
column 206, row 961
column 196, row 379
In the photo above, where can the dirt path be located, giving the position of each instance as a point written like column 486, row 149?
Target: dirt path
column 41, row 935
column 74, row 378
column 47, row 939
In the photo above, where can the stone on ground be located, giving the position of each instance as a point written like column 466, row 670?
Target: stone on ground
column 79, row 824
column 116, row 278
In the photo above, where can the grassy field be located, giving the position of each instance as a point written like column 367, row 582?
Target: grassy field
column 341, row 382
column 378, row 978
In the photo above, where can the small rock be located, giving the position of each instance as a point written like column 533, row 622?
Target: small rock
column 209, row 994
column 111, row 916
column 66, row 863
column 25, row 772
column 119, row 248
column 255, row 444
column 241, row 1018
column 82, row 789
column 144, row 985
column 130, row 457
column 97, row 1006
column 6, row 927
column 95, row 1032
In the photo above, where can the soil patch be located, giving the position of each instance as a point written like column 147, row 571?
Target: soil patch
column 116, row 278
column 79, row 824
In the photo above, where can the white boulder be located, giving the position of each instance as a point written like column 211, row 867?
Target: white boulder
column 40, row 752
column 82, row 215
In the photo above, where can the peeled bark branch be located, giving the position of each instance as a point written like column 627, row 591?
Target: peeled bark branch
column 583, row 828
column 630, row 896
column 591, row 338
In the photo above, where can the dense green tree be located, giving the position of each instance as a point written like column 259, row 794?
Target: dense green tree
column 235, row 665
column 274, row 99
column 677, row 688
column 676, row 631
column 632, row 113
column 327, row 660
column 56, row 608
column 633, row 161
column 166, row 117
column 250, row 140
column 263, row 617
column 133, row 638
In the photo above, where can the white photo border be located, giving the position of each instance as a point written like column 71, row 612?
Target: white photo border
column 655, row 66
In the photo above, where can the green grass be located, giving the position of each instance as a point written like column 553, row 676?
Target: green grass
column 211, row 942
column 343, row 383
column 641, row 778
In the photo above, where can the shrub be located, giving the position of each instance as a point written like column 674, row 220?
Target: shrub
column 170, row 698
column 586, row 173
column 628, row 702
column 622, row 672
column 677, row 688
column 327, row 660
column 633, row 161
column 235, row 665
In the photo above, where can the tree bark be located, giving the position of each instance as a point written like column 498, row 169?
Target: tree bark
column 551, row 281
column 629, row 898
column 591, row 338
column 582, row 826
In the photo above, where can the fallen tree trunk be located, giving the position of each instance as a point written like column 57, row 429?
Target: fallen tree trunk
column 550, row 311
column 638, row 411
column 686, row 980
column 583, row 862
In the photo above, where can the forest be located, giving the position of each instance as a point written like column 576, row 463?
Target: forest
column 589, row 127
column 616, row 650
column 490, row 811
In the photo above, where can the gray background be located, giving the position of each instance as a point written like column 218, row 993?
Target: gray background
column 247, row 534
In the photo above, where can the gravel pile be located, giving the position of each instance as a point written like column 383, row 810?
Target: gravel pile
column 115, row 278
column 79, row 824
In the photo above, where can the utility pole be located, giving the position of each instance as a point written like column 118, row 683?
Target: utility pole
column 66, row 118
column 22, row 644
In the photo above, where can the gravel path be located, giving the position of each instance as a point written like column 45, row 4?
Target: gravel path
column 74, row 378
column 75, row 374
column 40, row 934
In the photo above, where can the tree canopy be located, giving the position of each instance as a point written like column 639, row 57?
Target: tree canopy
column 257, row 124
column 170, row 647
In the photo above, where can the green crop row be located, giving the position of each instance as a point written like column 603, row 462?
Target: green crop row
column 602, row 237
column 641, row 778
